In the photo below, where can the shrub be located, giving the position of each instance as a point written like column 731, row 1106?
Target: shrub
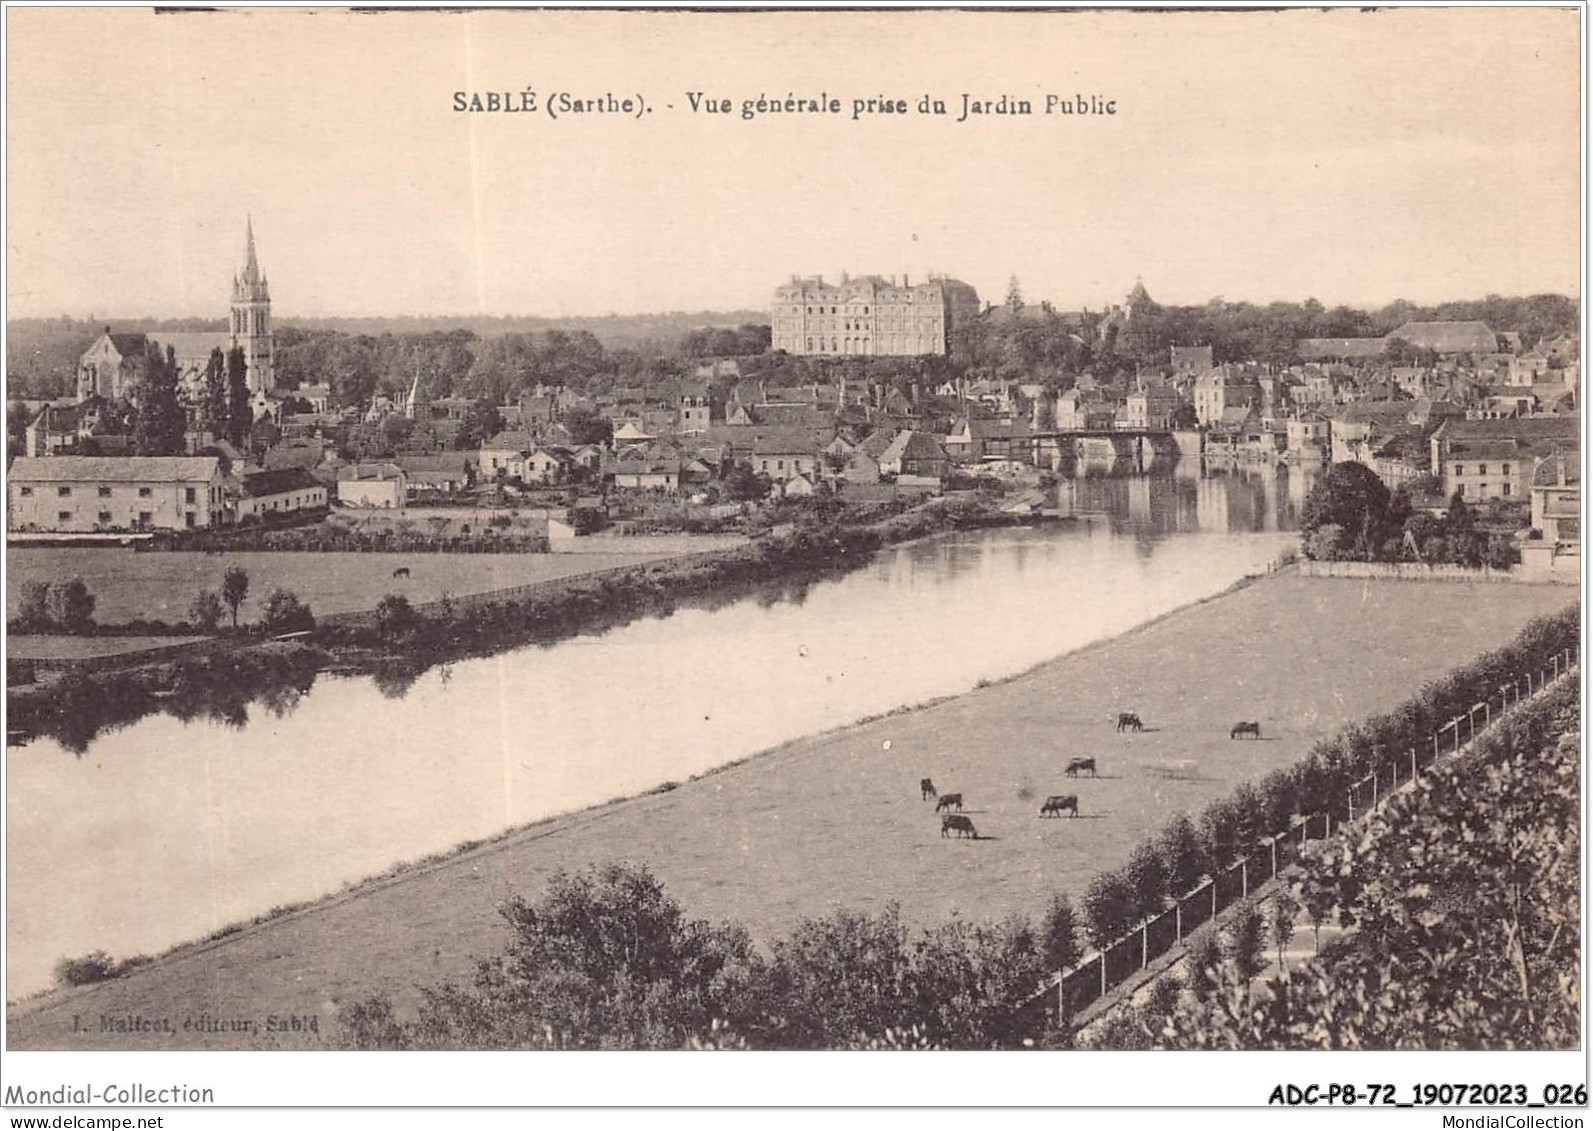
column 395, row 616
column 206, row 610
column 86, row 969
column 1247, row 939
column 71, row 606
column 284, row 612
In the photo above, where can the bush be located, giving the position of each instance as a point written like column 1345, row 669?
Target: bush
column 284, row 612
column 1247, row 939
column 395, row 616
column 206, row 610
column 87, row 969
column 1059, row 934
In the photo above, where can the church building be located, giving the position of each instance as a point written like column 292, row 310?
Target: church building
column 113, row 367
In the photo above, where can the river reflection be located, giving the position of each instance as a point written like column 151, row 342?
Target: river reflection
column 166, row 829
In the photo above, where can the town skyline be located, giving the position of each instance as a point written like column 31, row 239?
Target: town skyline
column 1250, row 179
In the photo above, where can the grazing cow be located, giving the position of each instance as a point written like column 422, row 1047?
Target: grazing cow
column 927, row 788
column 949, row 801
column 1055, row 805
column 1129, row 721
column 401, row 571
column 1077, row 765
column 1241, row 729
column 962, row 826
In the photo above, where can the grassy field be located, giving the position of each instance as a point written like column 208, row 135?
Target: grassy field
column 836, row 820
column 161, row 586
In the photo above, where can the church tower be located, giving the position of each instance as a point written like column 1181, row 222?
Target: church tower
column 251, row 319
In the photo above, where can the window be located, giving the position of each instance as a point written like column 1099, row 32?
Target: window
column 1458, row 469
column 26, row 491
column 63, row 492
column 145, row 518
column 189, row 495
column 144, row 492
column 1482, row 469
column 1506, row 489
column 105, row 518
column 1504, row 469
column 105, row 492
column 63, row 516
column 188, row 519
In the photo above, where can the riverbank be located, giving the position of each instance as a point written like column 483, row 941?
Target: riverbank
column 781, row 835
column 398, row 645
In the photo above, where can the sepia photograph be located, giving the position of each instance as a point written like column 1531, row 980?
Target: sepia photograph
column 1036, row 530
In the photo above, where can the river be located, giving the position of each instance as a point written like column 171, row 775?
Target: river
column 164, row 831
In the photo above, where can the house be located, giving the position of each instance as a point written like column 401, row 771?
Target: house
column 1496, row 459
column 1191, row 359
column 57, row 430
column 1154, row 407
column 445, row 473
column 916, row 454
column 80, row 494
column 798, row 487
column 1553, row 550
column 384, row 485
column 503, row 456
column 974, row 439
column 785, row 457
column 1081, row 410
column 285, row 491
column 547, row 465
column 860, row 468
column 632, row 433
column 694, row 409
column 1308, row 436
column 1219, row 391
column 634, row 470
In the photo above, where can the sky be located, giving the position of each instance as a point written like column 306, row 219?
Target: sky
column 1345, row 155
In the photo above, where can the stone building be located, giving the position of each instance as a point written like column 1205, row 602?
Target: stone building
column 870, row 316
column 113, row 366
column 80, row 494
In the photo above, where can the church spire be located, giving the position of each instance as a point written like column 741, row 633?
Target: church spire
column 251, row 266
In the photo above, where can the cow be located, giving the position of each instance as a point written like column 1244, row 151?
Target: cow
column 401, row 571
column 962, row 826
column 949, row 801
column 927, row 788
column 1127, row 720
column 1077, row 765
column 1241, row 729
column 1055, row 805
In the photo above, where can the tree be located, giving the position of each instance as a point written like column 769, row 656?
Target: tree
column 214, row 416
column 395, row 616
column 71, row 606
column 284, row 612
column 481, row 423
column 240, row 413
column 1351, row 497
column 206, row 610
column 33, row 609
column 1059, row 934
column 234, row 589
column 742, row 484
column 604, row 959
column 160, row 427
column 1285, row 910
column 1247, row 939
column 587, row 426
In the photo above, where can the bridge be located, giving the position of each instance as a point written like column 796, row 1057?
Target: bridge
column 1140, row 444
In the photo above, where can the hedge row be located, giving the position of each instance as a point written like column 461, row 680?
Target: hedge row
column 1182, row 855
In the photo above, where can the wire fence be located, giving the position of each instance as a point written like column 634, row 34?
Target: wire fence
column 1099, row 972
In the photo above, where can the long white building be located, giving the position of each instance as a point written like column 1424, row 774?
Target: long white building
column 870, row 316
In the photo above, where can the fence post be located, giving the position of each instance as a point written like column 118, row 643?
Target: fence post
column 1144, row 944
column 1274, row 858
column 1374, row 787
column 1178, row 921
column 1244, row 878
column 1214, row 899
column 1412, row 763
column 1103, row 973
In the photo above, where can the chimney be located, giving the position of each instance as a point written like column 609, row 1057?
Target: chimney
column 1559, row 476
